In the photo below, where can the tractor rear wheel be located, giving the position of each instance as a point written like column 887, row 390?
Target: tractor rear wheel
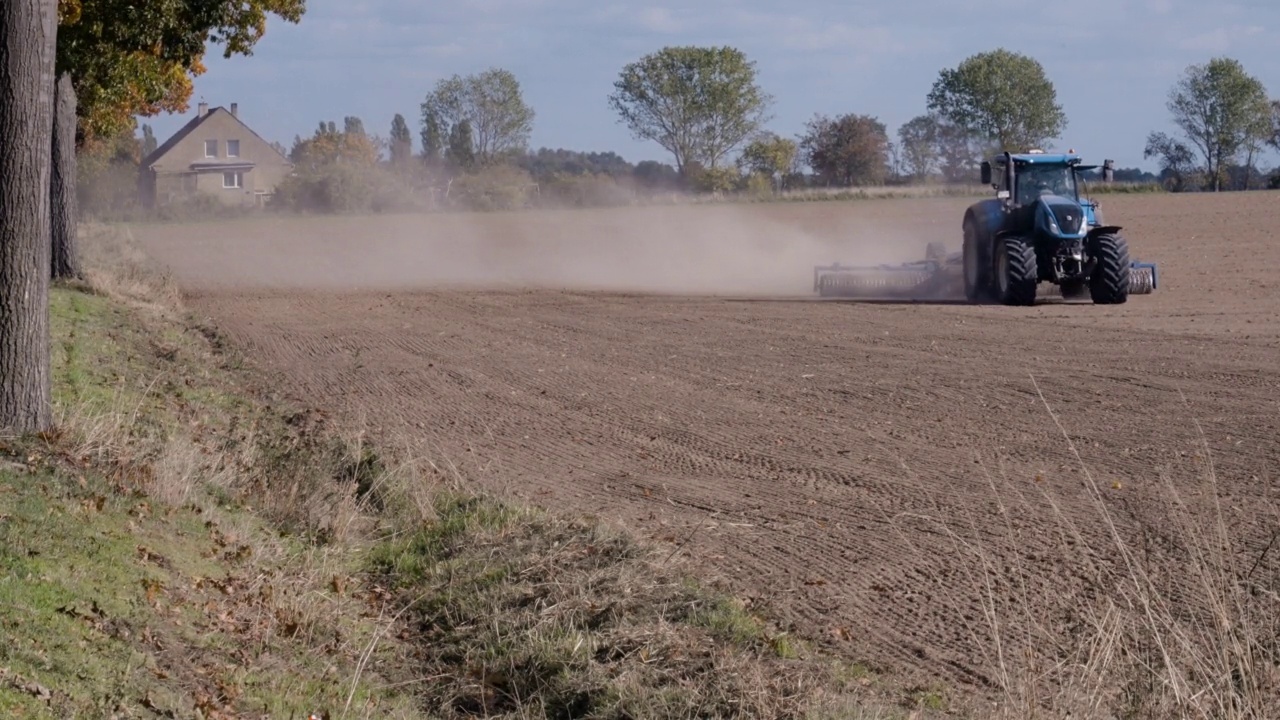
column 976, row 273
column 1016, row 272
column 1109, row 283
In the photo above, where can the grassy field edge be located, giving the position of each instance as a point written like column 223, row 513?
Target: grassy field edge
column 187, row 544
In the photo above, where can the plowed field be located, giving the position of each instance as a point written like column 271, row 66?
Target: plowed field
column 905, row 480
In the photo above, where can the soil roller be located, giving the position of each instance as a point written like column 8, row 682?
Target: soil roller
column 940, row 275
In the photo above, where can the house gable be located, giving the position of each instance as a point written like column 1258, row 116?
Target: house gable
column 214, row 154
column 204, row 144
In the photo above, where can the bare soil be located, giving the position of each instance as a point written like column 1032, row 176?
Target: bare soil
column 888, row 477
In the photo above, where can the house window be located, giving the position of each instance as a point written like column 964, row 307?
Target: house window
column 232, row 179
column 211, row 148
column 233, row 148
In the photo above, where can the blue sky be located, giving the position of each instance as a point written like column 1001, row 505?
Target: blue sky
column 1112, row 61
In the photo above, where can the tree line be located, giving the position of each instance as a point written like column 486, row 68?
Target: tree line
column 468, row 144
column 705, row 107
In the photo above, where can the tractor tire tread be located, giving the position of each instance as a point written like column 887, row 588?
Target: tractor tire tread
column 1109, row 284
column 978, row 290
column 1023, row 273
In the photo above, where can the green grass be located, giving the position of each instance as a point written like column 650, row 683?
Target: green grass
column 116, row 601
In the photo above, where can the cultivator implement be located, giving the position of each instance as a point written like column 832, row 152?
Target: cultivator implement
column 838, row 280
column 939, row 276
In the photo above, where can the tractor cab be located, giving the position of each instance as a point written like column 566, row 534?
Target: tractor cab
column 1040, row 193
column 1027, row 177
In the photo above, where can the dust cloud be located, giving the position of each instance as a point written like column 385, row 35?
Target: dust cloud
column 753, row 250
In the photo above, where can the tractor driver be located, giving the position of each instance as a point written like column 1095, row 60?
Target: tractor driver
column 1045, row 182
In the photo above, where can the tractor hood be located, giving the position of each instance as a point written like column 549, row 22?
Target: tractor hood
column 1063, row 217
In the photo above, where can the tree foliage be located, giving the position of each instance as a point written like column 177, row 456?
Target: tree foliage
column 699, row 103
column 491, row 104
column 547, row 162
column 1223, row 111
column 846, row 150
column 401, row 146
column 328, row 146
column 960, row 151
column 1177, row 160
column 149, row 142
column 1274, row 140
column 461, row 152
column 107, row 174
column 432, row 139
column 653, row 175
column 1001, row 95
column 769, row 155
column 128, row 58
column 918, row 145
column 337, row 171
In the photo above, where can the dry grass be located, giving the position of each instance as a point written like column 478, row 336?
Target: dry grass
column 1167, row 619
column 522, row 614
column 117, row 268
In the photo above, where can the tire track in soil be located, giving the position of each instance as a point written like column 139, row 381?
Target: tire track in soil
column 849, row 464
column 723, row 441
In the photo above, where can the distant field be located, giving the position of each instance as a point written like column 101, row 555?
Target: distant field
column 887, row 475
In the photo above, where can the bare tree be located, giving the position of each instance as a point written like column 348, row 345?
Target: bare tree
column 28, row 38
column 66, row 211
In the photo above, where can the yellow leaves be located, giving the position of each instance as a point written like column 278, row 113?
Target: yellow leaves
column 69, row 12
column 325, row 148
column 121, row 73
column 138, row 83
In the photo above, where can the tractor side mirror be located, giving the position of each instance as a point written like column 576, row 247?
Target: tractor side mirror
column 986, row 173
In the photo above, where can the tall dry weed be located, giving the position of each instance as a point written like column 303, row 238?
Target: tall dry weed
column 1169, row 613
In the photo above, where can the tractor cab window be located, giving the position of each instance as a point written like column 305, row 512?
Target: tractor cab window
column 1036, row 180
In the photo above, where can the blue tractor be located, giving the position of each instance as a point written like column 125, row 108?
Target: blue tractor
column 1038, row 229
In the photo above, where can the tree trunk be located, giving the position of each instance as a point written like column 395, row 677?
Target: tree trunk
column 62, row 193
column 28, row 36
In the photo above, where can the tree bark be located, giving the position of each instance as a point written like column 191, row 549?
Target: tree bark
column 28, row 37
column 62, row 197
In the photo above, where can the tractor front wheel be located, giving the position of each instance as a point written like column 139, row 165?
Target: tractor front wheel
column 1109, row 283
column 1016, row 272
column 976, row 280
